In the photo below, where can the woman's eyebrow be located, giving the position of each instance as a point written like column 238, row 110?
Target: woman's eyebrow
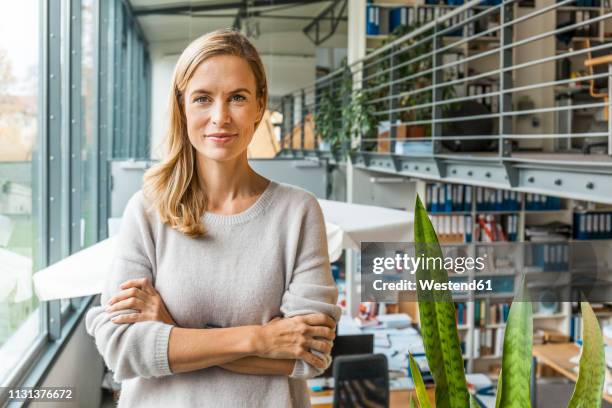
column 204, row 91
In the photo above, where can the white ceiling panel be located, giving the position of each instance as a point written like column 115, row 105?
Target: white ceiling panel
column 169, row 33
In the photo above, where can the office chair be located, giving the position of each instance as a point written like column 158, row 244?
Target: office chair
column 361, row 381
column 598, row 62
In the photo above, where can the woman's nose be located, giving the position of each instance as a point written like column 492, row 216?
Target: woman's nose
column 220, row 113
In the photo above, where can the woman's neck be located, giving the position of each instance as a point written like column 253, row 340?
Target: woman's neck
column 231, row 186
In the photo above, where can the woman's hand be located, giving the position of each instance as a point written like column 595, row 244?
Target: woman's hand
column 140, row 295
column 295, row 337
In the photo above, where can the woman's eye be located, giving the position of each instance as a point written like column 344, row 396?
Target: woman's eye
column 240, row 98
column 201, row 99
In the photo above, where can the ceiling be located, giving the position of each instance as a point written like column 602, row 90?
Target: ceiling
column 276, row 26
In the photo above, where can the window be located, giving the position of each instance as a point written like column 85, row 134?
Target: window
column 88, row 219
column 59, row 118
column 19, row 81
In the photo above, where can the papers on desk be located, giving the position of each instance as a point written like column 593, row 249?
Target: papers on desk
column 395, row 320
column 348, row 326
column 395, row 343
column 401, row 342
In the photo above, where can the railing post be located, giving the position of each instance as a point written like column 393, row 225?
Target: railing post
column 284, row 123
column 505, row 81
column 303, row 116
column 394, row 90
column 347, row 97
column 436, row 96
column 609, row 107
column 292, row 124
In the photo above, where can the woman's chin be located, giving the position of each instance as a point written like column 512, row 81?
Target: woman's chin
column 218, row 153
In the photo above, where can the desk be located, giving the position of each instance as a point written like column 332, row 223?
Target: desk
column 397, row 398
column 557, row 356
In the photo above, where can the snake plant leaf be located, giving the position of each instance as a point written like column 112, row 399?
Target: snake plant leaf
column 591, row 373
column 412, row 403
column 516, row 360
column 438, row 322
column 419, row 385
column 499, row 390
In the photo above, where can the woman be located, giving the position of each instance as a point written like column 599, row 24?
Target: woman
column 220, row 292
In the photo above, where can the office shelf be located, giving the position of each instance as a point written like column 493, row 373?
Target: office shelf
column 564, row 175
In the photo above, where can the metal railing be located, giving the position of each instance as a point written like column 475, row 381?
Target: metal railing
column 502, row 85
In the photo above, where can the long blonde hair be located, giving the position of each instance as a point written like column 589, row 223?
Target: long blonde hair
column 172, row 186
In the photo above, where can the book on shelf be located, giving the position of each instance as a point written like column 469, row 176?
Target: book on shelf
column 488, row 341
column 555, row 231
column 576, row 328
column 490, row 314
column 496, row 227
column 547, row 257
column 549, row 249
column 440, row 198
column 592, row 225
column 461, row 313
column 490, row 199
column 539, row 202
column 452, row 228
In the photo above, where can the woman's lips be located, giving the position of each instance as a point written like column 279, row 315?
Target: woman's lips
column 221, row 139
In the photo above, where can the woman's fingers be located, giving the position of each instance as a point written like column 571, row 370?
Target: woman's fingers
column 312, row 360
column 322, row 331
column 126, row 294
column 319, row 319
column 142, row 283
column 127, row 318
column 320, row 345
column 130, row 303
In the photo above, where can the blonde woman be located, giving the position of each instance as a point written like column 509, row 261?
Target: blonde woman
column 220, row 293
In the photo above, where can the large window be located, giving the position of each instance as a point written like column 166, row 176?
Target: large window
column 19, row 134
column 88, row 106
column 73, row 76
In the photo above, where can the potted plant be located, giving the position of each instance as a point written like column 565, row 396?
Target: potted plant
column 358, row 120
column 324, row 122
column 443, row 351
column 411, row 50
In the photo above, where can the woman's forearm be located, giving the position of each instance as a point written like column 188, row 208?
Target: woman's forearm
column 260, row 366
column 195, row 349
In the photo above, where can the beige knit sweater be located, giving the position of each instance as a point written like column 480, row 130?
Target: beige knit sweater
column 270, row 260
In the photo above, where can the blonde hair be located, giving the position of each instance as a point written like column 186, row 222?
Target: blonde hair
column 172, row 186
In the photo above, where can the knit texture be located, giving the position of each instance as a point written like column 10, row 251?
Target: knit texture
column 269, row 260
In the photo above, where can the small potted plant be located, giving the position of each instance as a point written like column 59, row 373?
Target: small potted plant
column 324, row 122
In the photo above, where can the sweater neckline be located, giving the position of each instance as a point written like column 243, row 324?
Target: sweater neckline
column 246, row 215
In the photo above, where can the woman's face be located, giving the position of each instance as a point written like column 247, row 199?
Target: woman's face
column 221, row 107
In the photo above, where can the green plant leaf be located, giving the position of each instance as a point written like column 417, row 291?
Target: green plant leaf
column 473, row 402
column 438, row 322
column 517, row 358
column 499, row 390
column 591, row 373
column 419, row 385
column 412, row 402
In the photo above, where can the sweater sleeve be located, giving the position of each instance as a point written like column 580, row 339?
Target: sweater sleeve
column 311, row 288
column 137, row 349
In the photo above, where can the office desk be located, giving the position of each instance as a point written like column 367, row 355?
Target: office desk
column 397, row 398
column 557, row 356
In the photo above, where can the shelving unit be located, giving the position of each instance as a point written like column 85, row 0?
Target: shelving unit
column 513, row 257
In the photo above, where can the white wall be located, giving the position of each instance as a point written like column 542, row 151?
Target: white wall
column 162, row 68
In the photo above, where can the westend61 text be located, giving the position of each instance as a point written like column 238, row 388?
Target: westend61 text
column 429, row 284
